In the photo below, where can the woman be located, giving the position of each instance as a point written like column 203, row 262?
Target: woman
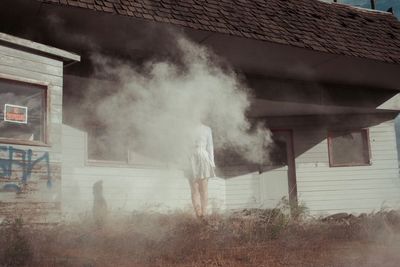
column 202, row 168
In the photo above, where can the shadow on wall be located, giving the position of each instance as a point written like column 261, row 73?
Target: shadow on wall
column 308, row 132
column 321, row 125
column 397, row 129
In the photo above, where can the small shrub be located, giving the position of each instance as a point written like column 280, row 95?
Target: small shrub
column 298, row 211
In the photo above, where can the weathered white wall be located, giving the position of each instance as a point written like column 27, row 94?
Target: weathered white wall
column 358, row 189
column 39, row 203
column 254, row 190
column 273, row 187
column 126, row 187
column 323, row 189
column 243, row 191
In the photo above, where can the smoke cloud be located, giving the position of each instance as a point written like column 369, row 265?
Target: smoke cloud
column 154, row 110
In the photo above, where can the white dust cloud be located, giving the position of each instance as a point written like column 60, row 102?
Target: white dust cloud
column 154, row 111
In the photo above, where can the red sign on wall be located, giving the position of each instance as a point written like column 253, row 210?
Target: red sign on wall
column 16, row 114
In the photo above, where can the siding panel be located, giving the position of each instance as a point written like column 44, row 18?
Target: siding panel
column 31, row 65
column 356, row 189
column 126, row 188
column 39, row 202
column 16, row 71
column 22, row 55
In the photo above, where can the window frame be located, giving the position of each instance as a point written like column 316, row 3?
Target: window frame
column 44, row 86
column 101, row 162
column 366, row 138
column 127, row 163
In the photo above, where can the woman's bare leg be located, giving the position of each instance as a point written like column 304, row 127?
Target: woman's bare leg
column 203, row 188
column 196, row 197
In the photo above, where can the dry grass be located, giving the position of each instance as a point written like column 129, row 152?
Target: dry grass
column 248, row 238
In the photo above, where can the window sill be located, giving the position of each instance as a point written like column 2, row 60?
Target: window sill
column 350, row 165
column 23, row 142
column 121, row 164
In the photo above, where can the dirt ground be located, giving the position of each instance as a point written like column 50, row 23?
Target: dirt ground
column 247, row 238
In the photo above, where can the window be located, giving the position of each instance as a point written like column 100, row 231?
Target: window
column 348, row 148
column 278, row 153
column 22, row 112
column 103, row 147
column 113, row 148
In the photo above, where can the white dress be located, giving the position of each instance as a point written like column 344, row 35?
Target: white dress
column 202, row 156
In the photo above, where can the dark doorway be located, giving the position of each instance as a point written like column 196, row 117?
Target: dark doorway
column 282, row 154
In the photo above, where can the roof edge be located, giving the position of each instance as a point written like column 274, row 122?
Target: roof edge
column 44, row 49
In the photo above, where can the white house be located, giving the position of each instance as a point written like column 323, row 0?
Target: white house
column 325, row 80
column 31, row 81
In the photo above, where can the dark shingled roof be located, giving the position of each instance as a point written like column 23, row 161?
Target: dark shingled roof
column 332, row 28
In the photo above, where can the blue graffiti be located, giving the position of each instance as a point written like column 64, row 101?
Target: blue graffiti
column 25, row 162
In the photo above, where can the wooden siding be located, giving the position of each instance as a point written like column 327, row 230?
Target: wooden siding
column 325, row 189
column 38, row 48
column 243, row 191
column 38, row 203
column 126, row 188
column 254, row 190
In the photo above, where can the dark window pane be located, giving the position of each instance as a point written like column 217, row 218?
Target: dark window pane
column 349, row 148
column 278, row 152
column 22, row 111
column 103, row 147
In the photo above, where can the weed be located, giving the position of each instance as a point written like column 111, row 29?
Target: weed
column 17, row 249
column 251, row 237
